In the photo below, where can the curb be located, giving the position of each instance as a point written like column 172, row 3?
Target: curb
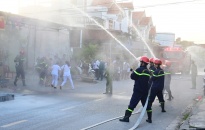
column 178, row 122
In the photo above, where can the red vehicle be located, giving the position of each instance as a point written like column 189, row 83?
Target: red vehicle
column 180, row 59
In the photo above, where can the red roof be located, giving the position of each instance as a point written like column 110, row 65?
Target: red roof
column 138, row 15
column 114, row 9
column 145, row 21
column 106, row 3
column 128, row 5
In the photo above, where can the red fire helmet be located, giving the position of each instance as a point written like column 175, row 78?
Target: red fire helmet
column 157, row 61
column 151, row 60
column 144, row 59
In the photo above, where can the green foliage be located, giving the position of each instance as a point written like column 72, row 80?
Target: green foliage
column 89, row 51
column 186, row 116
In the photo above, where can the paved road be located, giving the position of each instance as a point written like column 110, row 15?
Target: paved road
column 86, row 106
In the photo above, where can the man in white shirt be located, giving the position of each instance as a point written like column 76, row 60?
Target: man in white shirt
column 55, row 71
column 66, row 74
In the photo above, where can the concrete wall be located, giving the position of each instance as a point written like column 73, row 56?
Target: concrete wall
column 37, row 42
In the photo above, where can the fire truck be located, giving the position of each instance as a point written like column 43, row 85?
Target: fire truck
column 165, row 49
column 180, row 59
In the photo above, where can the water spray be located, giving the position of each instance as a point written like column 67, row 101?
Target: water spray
column 141, row 37
column 137, row 123
column 104, row 30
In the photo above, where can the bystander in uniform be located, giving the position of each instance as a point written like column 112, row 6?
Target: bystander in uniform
column 193, row 74
column 108, row 76
column 167, row 79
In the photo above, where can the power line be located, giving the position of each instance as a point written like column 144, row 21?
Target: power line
column 105, row 4
column 174, row 3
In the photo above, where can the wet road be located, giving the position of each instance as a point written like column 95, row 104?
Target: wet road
column 87, row 108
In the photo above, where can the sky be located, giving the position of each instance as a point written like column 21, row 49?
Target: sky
column 186, row 19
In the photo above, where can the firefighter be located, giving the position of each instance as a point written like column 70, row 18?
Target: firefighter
column 167, row 79
column 151, row 67
column 19, row 60
column 43, row 67
column 141, row 77
column 156, row 89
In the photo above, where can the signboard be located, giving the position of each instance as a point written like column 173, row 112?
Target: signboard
column 165, row 39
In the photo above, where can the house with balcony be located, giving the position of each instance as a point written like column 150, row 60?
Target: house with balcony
column 146, row 30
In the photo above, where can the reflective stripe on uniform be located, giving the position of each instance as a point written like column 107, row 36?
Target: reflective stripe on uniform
column 145, row 74
column 161, row 74
column 152, row 70
column 130, row 110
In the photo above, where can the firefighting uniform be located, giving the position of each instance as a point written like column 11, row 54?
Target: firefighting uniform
column 42, row 68
column 19, row 60
column 156, row 90
column 141, row 77
column 151, row 69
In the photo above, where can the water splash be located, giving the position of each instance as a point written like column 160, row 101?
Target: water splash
column 144, row 41
column 197, row 54
column 104, row 30
column 138, row 32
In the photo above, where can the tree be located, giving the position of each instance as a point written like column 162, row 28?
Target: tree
column 184, row 44
column 89, row 51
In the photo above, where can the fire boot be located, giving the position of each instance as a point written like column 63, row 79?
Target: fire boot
column 149, row 114
column 126, row 117
column 162, row 106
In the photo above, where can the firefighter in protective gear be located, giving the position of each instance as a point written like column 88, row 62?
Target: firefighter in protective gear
column 156, row 89
column 151, row 67
column 42, row 69
column 167, row 79
column 141, row 77
column 19, row 60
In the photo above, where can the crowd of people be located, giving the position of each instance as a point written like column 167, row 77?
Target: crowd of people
column 151, row 77
column 120, row 69
column 49, row 70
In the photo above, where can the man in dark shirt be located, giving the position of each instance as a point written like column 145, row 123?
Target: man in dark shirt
column 19, row 60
